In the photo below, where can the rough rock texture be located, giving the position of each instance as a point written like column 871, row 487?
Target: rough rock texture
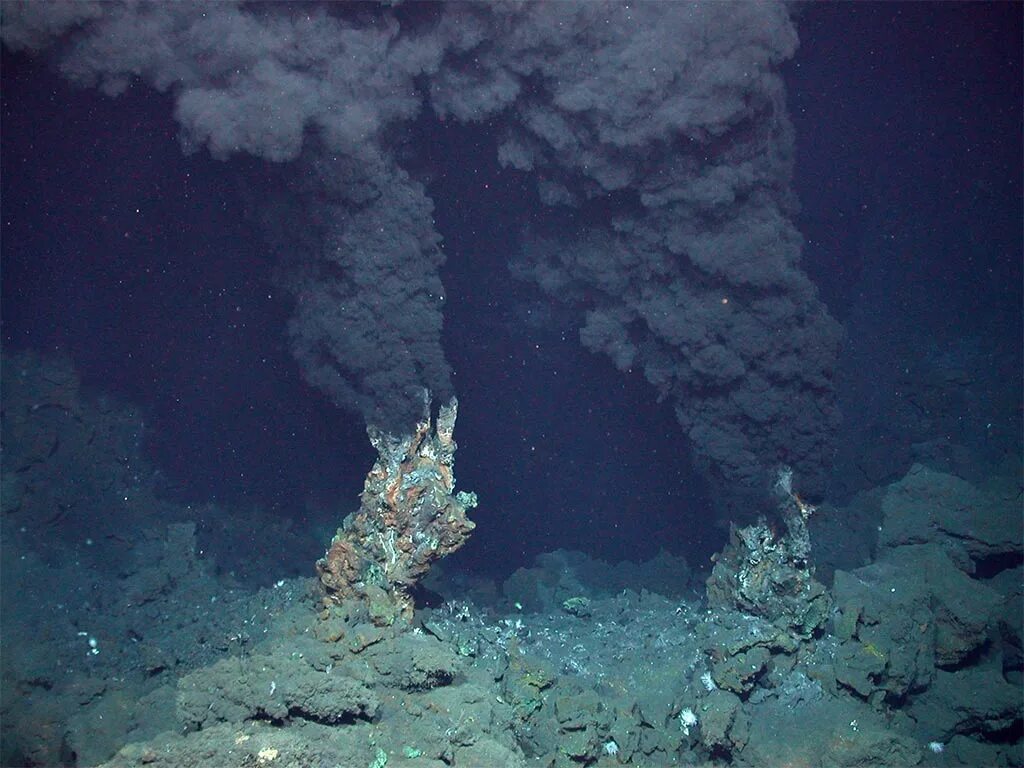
column 932, row 627
column 925, row 645
column 762, row 573
column 723, row 724
column 967, row 701
column 886, row 626
column 270, row 687
column 416, row 663
column 931, row 507
column 827, row 733
column 342, row 693
column 919, row 604
column 73, row 465
column 759, row 574
column 410, row 516
column 743, row 649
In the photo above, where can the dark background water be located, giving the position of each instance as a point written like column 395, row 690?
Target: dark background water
column 141, row 264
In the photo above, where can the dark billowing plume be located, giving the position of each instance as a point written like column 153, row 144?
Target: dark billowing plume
column 658, row 138
column 367, row 323
column 314, row 87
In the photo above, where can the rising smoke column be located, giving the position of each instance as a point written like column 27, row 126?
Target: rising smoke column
column 367, row 323
column 314, row 88
column 658, row 136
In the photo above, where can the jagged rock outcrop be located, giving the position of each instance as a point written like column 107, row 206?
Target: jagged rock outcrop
column 410, row 516
column 762, row 572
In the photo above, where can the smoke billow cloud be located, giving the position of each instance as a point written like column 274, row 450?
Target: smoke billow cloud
column 658, row 138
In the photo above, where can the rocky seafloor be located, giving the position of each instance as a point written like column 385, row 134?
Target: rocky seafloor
column 127, row 645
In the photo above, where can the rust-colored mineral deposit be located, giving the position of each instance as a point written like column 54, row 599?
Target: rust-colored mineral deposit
column 409, row 517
